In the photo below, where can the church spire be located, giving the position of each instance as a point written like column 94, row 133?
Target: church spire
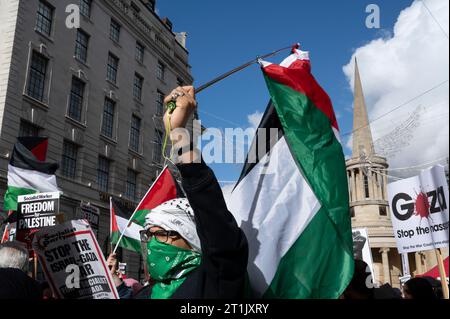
column 362, row 136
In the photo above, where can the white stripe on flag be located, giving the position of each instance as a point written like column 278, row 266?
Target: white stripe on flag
column 282, row 209
column 25, row 178
column 130, row 232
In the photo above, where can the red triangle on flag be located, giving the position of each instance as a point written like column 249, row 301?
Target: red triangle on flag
column 40, row 150
column 163, row 189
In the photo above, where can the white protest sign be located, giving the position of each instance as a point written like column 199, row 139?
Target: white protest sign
column 361, row 247
column 91, row 214
column 73, row 262
column 419, row 211
column 35, row 211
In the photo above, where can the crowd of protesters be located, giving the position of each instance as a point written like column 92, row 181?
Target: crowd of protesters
column 16, row 281
column 200, row 234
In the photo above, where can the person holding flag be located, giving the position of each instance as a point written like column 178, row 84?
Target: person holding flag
column 193, row 248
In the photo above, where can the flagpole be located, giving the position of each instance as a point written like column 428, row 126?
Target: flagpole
column 239, row 68
column 442, row 273
column 35, row 264
column 110, row 225
column 131, row 218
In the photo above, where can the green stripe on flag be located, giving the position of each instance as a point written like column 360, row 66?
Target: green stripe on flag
column 126, row 242
column 10, row 200
column 139, row 217
column 321, row 160
column 314, row 267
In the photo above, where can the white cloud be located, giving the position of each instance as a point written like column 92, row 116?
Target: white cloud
column 254, row 119
column 397, row 69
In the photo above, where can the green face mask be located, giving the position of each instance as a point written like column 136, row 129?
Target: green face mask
column 169, row 265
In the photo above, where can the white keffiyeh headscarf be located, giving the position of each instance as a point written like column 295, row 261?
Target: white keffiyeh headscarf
column 175, row 215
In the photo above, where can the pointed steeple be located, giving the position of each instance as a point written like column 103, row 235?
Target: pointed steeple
column 362, row 136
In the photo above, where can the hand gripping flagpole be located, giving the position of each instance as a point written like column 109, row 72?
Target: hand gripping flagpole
column 172, row 105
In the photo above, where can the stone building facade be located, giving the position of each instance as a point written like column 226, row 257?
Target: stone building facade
column 369, row 207
column 95, row 91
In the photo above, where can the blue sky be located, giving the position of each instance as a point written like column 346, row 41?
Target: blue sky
column 225, row 34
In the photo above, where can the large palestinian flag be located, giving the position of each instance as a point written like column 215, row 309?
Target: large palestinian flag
column 163, row 189
column 28, row 173
column 292, row 197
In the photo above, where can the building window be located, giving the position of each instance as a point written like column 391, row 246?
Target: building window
column 352, row 212
column 114, row 31
column 69, row 159
column 44, row 18
column 137, row 87
column 85, row 8
column 134, row 8
column 383, row 211
column 103, row 174
column 150, row 4
column 36, row 81
column 135, row 133
column 140, row 51
column 113, row 66
column 159, row 103
column 180, row 82
column 158, row 144
column 108, row 118
column 366, row 185
column 76, row 99
column 130, row 191
column 81, row 45
column 28, row 129
column 160, row 70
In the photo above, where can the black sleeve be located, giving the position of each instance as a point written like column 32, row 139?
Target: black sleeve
column 224, row 245
column 124, row 291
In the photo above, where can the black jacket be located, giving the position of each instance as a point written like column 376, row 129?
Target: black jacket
column 222, row 272
column 15, row 284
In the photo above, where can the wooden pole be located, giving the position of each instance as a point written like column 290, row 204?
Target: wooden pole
column 442, row 273
column 35, row 270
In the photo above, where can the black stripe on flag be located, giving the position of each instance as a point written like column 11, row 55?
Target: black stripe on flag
column 270, row 120
column 120, row 210
column 22, row 157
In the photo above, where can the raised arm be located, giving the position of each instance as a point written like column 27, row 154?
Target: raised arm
column 224, row 245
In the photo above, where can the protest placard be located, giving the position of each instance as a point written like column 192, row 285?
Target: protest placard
column 91, row 214
column 73, row 262
column 34, row 212
column 419, row 211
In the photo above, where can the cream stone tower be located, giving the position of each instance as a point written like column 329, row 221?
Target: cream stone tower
column 369, row 206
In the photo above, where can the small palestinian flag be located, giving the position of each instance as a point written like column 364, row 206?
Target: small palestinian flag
column 165, row 188
column 28, row 173
column 119, row 221
column 292, row 197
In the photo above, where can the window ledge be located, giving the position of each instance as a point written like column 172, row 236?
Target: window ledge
column 86, row 18
column 108, row 139
column 81, row 62
column 112, row 84
column 36, row 102
column 116, row 43
column 133, row 152
column 141, row 63
column 47, row 37
column 75, row 122
column 138, row 102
